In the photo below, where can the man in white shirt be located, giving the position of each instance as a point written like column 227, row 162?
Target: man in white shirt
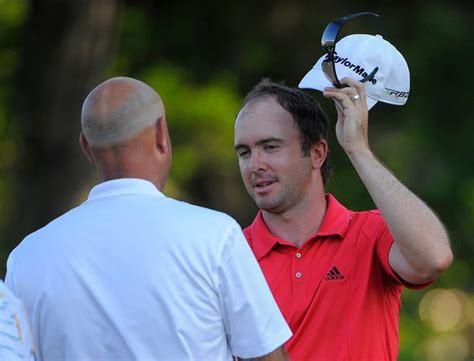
column 15, row 337
column 131, row 274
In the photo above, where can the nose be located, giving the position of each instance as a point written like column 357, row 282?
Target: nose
column 257, row 162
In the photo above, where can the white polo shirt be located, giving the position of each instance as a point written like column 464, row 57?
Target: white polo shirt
column 133, row 275
column 15, row 334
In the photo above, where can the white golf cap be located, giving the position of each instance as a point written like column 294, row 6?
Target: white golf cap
column 355, row 57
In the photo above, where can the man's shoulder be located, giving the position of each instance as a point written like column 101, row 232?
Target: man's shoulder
column 336, row 205
column 60, row 223
column 371, row 216
column 57, row 225
column 201, row 213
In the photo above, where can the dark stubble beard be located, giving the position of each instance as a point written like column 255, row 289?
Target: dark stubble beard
column 291, row 194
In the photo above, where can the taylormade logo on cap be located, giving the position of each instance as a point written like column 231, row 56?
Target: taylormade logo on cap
column 355, row 57
column 355, row 68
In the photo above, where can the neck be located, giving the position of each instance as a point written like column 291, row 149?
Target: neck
column 119, row 174
column 137, row 157
column 298, row 224
column 130, row 166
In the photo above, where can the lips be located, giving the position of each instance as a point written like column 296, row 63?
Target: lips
column 263, row 185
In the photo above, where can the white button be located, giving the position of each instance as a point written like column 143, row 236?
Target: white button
column 298, row 274
column 298, row 255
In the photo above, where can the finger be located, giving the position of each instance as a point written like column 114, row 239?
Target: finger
column 351, row 92
column 357, row 85
column 342, row 98
column 355, row 90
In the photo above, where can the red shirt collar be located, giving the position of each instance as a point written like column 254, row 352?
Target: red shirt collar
column 335, row 223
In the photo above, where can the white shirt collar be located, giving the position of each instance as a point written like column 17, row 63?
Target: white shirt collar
column 124, row 186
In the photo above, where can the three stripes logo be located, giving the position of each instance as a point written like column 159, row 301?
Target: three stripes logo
column 334, row 274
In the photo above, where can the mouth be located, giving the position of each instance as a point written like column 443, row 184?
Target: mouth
column 263, row 186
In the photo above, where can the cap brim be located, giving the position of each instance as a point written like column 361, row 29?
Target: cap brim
column 315, row 79
column 370, row 102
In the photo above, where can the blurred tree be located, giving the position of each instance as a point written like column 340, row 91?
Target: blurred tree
column 65, row 48
column 12, row 17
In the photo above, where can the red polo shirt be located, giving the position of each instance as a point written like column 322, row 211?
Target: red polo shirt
column 337, row 292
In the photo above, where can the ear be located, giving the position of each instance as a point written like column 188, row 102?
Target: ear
column 319, row 153
column 163, row 143
column 86, row 149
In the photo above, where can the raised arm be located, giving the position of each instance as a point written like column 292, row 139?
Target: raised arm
column 421, row 250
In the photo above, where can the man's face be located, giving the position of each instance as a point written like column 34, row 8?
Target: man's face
column 272, row 165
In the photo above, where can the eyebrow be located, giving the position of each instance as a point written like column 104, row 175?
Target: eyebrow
column 260, row 142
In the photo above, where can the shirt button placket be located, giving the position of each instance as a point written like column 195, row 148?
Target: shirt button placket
column 298, row 275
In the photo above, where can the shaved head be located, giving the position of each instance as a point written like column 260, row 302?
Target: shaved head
column 118, row 109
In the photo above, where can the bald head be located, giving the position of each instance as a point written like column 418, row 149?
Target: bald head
column 118, row 109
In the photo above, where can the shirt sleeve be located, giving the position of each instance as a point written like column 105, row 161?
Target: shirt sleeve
column 384, row 243
column 253, row 322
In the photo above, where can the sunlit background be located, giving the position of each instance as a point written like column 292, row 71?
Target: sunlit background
column 202, row 57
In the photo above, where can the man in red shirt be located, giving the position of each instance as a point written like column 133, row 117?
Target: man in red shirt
column 337, row 275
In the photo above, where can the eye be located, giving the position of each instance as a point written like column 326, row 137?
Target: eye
column 270, row 147
column 243, row 153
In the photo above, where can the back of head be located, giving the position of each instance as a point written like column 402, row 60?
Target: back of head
column 307, row 113
column 118, row 109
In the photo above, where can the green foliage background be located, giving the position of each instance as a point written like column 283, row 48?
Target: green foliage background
column 202, row 57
